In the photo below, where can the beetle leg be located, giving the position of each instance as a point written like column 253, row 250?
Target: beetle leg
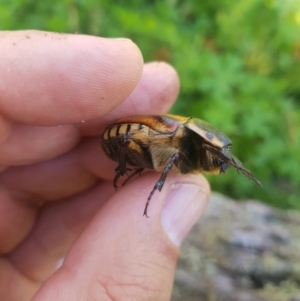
column 134, row 173
column 117, row 176
column 121, row 168
column 160, row 183
column 129, row 150
column 120, row 174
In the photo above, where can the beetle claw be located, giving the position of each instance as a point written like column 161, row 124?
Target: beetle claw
column 133, row 174
column 145, row 212
column 115, row 181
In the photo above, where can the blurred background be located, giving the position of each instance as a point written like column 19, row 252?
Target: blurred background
column 239, row 65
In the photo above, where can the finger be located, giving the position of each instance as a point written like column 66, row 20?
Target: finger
column 17, row 219
column 58, row 225
column 64, row 78
column 28, row 144
column 14, row 285
column 155, row 93
column 50, row 180
column 5, row 128
column 22, row 198
column 121, row 253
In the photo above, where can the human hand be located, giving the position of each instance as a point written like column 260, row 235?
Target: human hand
column 58, row 92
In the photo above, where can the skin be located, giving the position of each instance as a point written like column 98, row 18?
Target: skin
column 58, row 92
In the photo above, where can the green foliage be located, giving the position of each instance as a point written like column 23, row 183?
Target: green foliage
column 239, row 64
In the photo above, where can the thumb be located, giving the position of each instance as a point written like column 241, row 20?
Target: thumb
column 123, row 255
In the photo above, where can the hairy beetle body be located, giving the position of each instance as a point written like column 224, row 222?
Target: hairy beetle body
column 168, row 143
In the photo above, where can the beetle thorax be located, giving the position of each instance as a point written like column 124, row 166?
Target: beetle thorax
column 163, row 146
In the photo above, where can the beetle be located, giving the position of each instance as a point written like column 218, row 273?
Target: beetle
column 168, row 143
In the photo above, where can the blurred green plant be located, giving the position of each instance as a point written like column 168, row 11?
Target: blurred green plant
column 239, row 64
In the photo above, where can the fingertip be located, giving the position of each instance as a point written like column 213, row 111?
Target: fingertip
column 156, row 92
column 185, row 202
column 172, row 211
column 65, row 78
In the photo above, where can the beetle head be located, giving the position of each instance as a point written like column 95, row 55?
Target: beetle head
column 226, row 160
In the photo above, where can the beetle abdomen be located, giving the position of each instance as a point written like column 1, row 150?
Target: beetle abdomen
column 121, row 129
column 124, row 139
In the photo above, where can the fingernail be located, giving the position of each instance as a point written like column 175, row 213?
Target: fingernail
column 182, row 208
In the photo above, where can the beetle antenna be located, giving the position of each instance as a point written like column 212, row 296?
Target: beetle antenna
column 234, row 162
column 246, row 172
